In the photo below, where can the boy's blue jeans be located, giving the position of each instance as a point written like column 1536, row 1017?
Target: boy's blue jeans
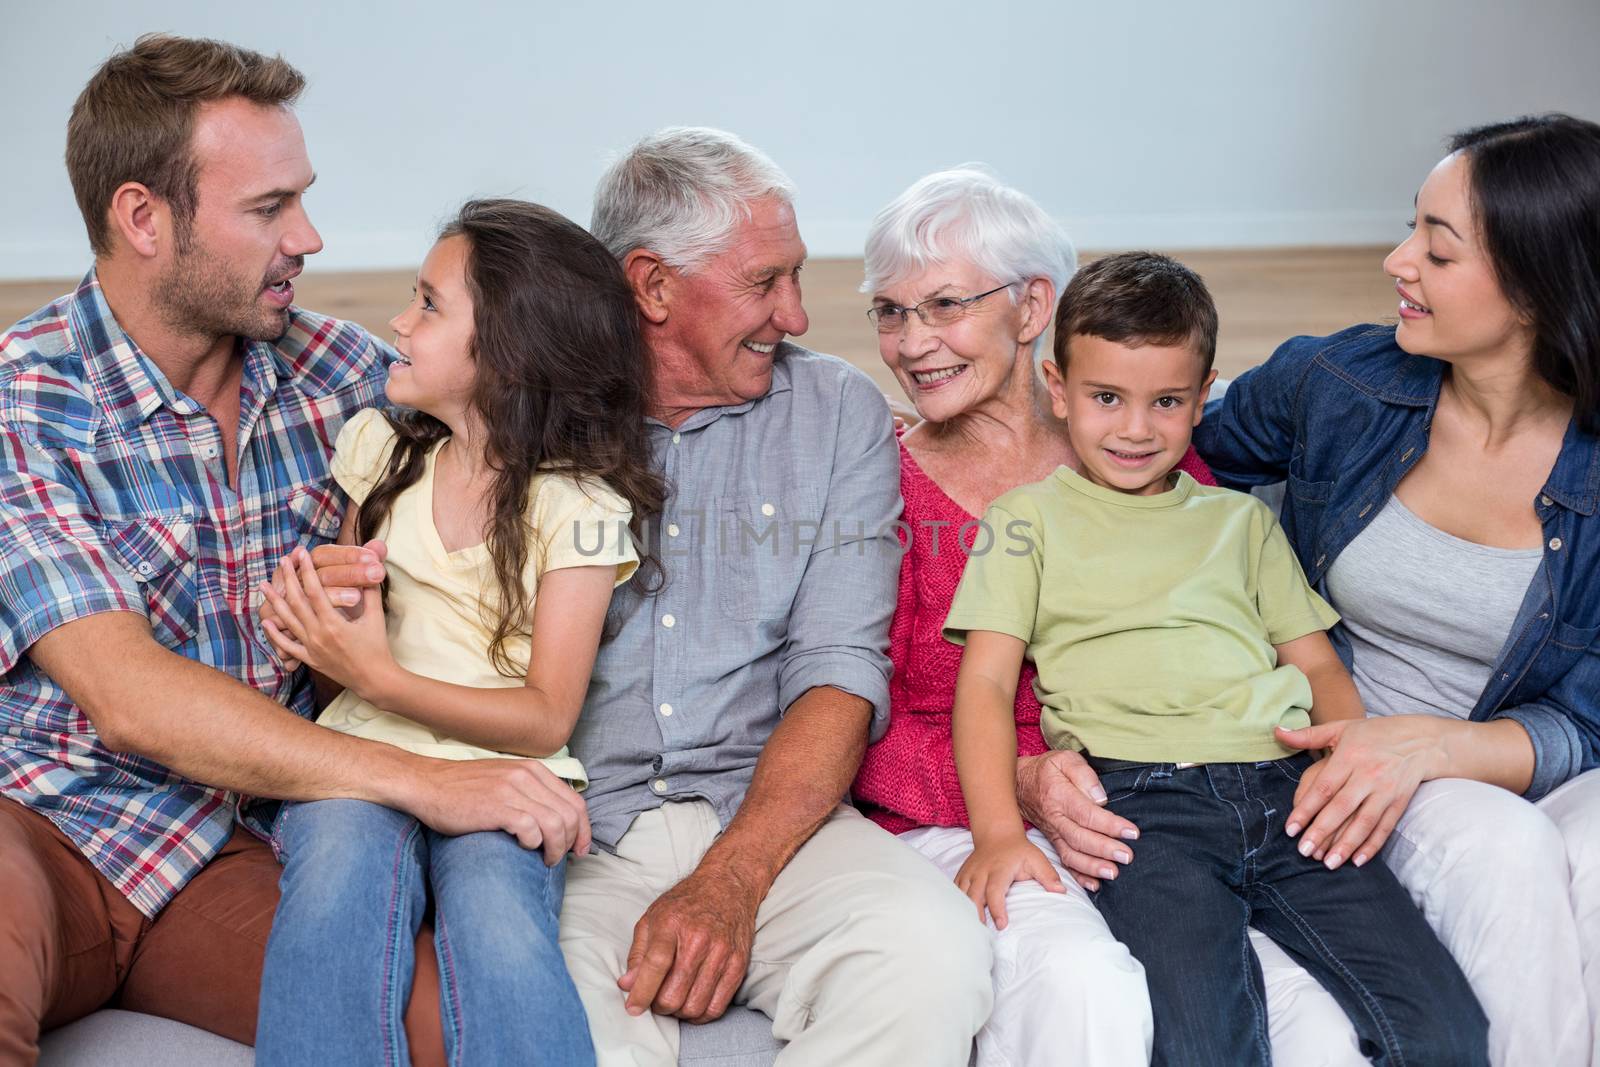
column 355, row 885
column 1212, row 859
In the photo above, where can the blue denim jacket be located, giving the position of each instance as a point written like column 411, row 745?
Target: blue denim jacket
column 1341, row 419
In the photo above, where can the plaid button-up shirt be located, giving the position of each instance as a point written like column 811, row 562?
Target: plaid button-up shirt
column 114, row 496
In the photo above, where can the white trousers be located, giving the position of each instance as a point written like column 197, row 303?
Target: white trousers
column 863, row 954
column 1067, row 992
column 1513, row 891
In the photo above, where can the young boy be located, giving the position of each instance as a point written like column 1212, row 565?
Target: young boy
column 1173, row 629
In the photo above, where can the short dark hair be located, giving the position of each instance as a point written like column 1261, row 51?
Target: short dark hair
column 134, row 121
column 1535, row 187
column 1138, row 297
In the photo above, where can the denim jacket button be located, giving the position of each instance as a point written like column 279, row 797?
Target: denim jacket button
column 1545, row 500
column 1555, row 544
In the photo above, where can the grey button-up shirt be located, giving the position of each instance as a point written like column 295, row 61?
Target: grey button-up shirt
column 781, row 559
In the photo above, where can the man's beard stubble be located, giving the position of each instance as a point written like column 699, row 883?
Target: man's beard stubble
column 199, row 295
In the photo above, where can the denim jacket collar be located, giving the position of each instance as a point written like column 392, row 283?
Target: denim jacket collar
column 1415, row 381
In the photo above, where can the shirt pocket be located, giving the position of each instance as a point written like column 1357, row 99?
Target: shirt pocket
column 760, row 546
column 1567, row 645
column 317, row 513
column 158, row 552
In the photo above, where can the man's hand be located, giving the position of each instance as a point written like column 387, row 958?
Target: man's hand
column 343, row 570
column 522, row 797
column 1060, row 794
column 351, row 651
column 691, row 948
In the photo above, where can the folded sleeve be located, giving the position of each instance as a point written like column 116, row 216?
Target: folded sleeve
column 838, row 631
column 361, row 452
column 999, row 588
column 1288, row 606
column 583, row 524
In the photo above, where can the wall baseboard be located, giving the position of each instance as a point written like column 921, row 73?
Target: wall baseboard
column 831, row 238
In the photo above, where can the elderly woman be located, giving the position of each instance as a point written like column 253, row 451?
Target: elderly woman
column 963, row 273
column 1443, row 479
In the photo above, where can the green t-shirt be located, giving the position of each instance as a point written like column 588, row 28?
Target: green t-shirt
column 1151, row 619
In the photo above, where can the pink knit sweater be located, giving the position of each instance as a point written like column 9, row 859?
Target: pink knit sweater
column 908, row 778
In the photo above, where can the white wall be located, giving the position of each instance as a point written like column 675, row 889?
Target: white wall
column 1155, row 123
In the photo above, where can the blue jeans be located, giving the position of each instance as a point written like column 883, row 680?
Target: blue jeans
column 355, row 885
column 1212, row 859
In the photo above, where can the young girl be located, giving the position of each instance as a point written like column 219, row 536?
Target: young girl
column 504, row 486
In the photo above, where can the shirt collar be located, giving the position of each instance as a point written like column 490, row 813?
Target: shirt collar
column 781, row 383
column 1574, row 482
column 127, row 385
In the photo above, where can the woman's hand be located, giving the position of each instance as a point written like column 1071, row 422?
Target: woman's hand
column 307, row 626
column 994, row 867
column 1348, row 803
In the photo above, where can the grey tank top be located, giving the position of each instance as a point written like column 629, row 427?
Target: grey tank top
column 1427, row 612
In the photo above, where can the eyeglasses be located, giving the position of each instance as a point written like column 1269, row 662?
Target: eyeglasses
column 935, row 311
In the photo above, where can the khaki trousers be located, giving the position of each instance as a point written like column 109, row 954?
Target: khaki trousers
column 864, row 953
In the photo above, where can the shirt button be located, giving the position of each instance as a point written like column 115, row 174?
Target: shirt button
column 672, row 529
column 1555, row 544
column 209, row 452
column 669, row 621
column 666, row 709
column 659, row 785
column 677, row 437
column 768, row 510
column 146, row 570
column 1545, row 500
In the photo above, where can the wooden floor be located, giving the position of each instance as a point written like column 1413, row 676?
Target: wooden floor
column 1263, row 296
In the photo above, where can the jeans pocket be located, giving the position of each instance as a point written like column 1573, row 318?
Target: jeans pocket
column 1120, row 784
column 1292, row 767
column 276, row 837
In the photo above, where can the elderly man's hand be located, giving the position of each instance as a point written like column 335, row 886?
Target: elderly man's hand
column 1061, row 795
column 691, row 948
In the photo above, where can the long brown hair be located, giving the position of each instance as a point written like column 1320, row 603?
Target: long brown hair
column 561, row 380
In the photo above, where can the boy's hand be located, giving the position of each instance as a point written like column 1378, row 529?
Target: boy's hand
column 993, row 869
column 312, row 630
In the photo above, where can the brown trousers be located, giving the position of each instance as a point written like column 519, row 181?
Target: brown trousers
column 70, row 943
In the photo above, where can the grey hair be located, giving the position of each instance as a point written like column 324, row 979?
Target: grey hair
column 967, row 215
column 681, row 192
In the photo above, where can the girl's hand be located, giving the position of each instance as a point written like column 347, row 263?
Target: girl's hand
column 1349, row 803
column 993, row 869
column 309, row 628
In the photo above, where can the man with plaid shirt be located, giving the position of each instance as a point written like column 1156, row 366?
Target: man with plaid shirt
column 165, row 433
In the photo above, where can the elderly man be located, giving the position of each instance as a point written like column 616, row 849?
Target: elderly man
column 727, row 718
column 164, row 440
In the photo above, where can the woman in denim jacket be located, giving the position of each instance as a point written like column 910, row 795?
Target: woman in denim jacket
column 1443, row 478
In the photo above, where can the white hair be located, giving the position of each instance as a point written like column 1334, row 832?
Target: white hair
column 967, row 215
column 681, row 192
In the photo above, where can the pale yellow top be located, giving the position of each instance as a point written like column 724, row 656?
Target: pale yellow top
column 440, row 610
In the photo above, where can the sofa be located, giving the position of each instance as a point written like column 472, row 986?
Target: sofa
column 741, row 1038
